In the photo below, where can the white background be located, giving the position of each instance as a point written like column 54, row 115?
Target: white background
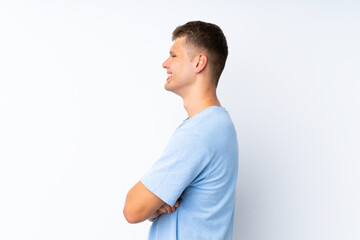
column 84, row 113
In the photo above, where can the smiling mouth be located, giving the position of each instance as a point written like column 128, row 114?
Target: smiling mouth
column 169, row 76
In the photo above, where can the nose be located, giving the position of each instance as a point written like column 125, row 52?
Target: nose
column 165, row 64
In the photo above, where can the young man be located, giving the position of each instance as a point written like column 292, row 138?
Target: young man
column 189, row 193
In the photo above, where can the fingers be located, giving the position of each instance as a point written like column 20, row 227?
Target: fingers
column 167, row 208
column 173, row 208
column 162, row 210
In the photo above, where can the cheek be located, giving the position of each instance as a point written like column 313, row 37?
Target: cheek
column 188, row 68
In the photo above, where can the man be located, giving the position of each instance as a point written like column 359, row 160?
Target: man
column 189, row 193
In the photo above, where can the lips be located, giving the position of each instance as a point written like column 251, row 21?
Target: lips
column 169, row 76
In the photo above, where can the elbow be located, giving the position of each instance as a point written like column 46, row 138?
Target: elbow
column 131, row 216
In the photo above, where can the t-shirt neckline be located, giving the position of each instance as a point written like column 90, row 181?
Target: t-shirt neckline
column 205, row 109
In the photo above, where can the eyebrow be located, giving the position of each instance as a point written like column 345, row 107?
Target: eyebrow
column 171, row 52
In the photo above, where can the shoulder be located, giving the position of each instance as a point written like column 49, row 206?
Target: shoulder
column 213, row 129
column 188, row 138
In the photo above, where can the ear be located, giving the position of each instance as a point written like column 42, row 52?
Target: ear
column 201, row 61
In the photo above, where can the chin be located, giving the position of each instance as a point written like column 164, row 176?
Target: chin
column 167, row 88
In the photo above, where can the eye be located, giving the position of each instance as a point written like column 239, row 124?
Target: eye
column 173, row 55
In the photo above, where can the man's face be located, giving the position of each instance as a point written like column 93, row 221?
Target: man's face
column 180, row 68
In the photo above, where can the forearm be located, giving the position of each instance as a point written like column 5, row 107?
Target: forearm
column 163, row 209
column 140, row 204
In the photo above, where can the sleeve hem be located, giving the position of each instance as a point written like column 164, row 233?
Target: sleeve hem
column 163, row 198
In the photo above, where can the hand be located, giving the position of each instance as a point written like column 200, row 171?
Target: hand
column 163, row 209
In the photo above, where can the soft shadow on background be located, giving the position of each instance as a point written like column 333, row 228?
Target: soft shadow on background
column 84, row 114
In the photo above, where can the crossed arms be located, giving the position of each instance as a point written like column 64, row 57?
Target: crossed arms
column 142, row 204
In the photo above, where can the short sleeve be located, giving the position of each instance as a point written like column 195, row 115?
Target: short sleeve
column 182, row 160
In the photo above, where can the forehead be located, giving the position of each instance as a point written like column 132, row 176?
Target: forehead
column 178, row 45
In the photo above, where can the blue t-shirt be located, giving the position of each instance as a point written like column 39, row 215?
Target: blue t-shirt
column 199, row 167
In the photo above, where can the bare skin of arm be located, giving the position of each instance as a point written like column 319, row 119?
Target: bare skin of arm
column 166, row 208
column 142, row 204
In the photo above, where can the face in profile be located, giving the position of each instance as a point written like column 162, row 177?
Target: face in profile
column 180, row 68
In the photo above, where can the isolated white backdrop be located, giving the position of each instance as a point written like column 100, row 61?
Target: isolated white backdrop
column 84, row 113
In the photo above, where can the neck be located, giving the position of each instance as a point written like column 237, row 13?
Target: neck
column 198, row 100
